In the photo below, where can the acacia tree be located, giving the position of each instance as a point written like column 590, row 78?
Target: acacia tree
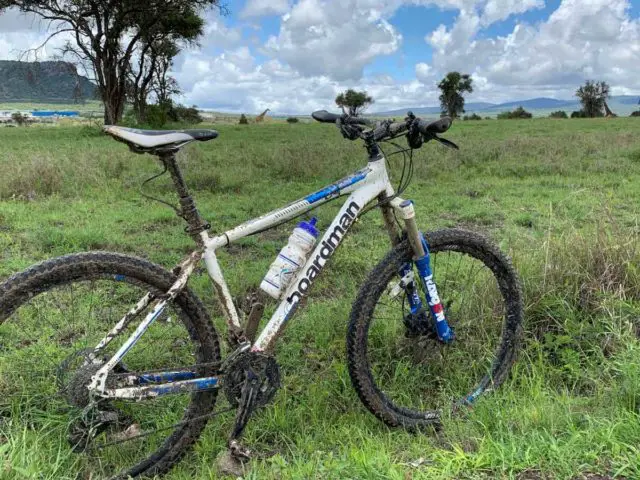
column 353, row 102
column 592, row 96
column 106, row 34
column 164, row 86
column 452, row 86
column 155, row 53
column 144, row 72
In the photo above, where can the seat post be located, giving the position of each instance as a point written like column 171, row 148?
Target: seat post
column 188, row 210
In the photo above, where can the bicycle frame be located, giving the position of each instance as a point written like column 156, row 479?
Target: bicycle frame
column 362, row 187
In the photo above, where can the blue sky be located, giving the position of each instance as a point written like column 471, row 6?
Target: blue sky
column 294, row 56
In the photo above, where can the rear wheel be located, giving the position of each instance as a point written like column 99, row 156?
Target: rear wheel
column 51, row 315
column 407, row 379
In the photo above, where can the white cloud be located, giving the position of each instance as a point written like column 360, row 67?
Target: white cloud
column 13, row 20
column 30, row 45
column 424, row 73
column 496, row 10
column 580, row 40
column 234, row 81
column 337, row 39
column 217, row 34
column 261, row 8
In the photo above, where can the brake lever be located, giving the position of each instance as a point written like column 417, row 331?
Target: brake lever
column 446, row 143
column 350, row 131
column 443, row 141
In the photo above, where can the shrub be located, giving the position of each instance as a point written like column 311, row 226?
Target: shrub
column 583, row 114
column 635, row 114
column 180, row 113
column 516, row 114
column 19, row 118
column 243, row 120
column 292, row 120
column 31, row 178
column 473, row 116
column 558, row 114
column 156, row 116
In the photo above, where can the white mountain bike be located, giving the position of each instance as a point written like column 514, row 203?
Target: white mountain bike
column 118, row 357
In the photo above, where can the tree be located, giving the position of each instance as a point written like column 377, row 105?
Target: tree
column 558, row 114
column 143, row 72
column 164, row 86
column 514, row 115
column 353, row 102
column 154, row 58
column 19, row 118
column 592, row 95
column 106, row 34
column 452, row 86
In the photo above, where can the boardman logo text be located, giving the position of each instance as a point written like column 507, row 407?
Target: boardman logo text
column 328, row 247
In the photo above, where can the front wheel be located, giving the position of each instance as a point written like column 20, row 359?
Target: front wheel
column 407, row 379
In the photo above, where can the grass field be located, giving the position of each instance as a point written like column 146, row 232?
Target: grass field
column 562, row 197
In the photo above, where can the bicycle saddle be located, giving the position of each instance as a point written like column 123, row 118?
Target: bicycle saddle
column 150, row 140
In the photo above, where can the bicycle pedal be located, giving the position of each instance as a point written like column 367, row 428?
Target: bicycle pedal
column 229, row 464
column 239, row 451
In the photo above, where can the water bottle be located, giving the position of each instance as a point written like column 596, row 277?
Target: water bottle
column 290, row 259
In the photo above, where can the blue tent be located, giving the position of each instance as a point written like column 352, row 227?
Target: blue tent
column 54, row 113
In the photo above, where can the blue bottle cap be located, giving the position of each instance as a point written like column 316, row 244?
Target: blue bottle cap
column 310, row 227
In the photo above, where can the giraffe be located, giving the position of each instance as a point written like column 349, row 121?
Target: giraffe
column 607, row 111
column 260, row 118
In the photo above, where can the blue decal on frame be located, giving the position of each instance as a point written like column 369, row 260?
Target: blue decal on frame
column 336, row 187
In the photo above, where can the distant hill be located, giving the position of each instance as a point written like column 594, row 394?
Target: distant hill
column 43, row 82
column 534, row 103
column 621, row 104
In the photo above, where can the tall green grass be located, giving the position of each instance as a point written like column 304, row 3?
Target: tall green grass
column 562, row 198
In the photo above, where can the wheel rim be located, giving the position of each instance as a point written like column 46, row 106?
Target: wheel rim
column 36, row 414
column 421, row 374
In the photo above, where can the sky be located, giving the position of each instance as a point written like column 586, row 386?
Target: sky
column 295, row 56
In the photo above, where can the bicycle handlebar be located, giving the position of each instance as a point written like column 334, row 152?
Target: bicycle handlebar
column 387, row 128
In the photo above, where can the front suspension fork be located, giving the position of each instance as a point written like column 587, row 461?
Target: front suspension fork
column 422, row 260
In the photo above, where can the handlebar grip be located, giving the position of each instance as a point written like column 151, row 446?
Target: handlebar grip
column 325, row 117
column 437, row 126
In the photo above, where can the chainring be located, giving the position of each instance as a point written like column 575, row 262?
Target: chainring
column 263, row 366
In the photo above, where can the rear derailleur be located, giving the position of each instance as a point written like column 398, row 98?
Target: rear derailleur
column 73, row 377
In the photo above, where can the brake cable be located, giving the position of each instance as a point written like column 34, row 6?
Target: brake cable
column 149, row 197
column 404, row 182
